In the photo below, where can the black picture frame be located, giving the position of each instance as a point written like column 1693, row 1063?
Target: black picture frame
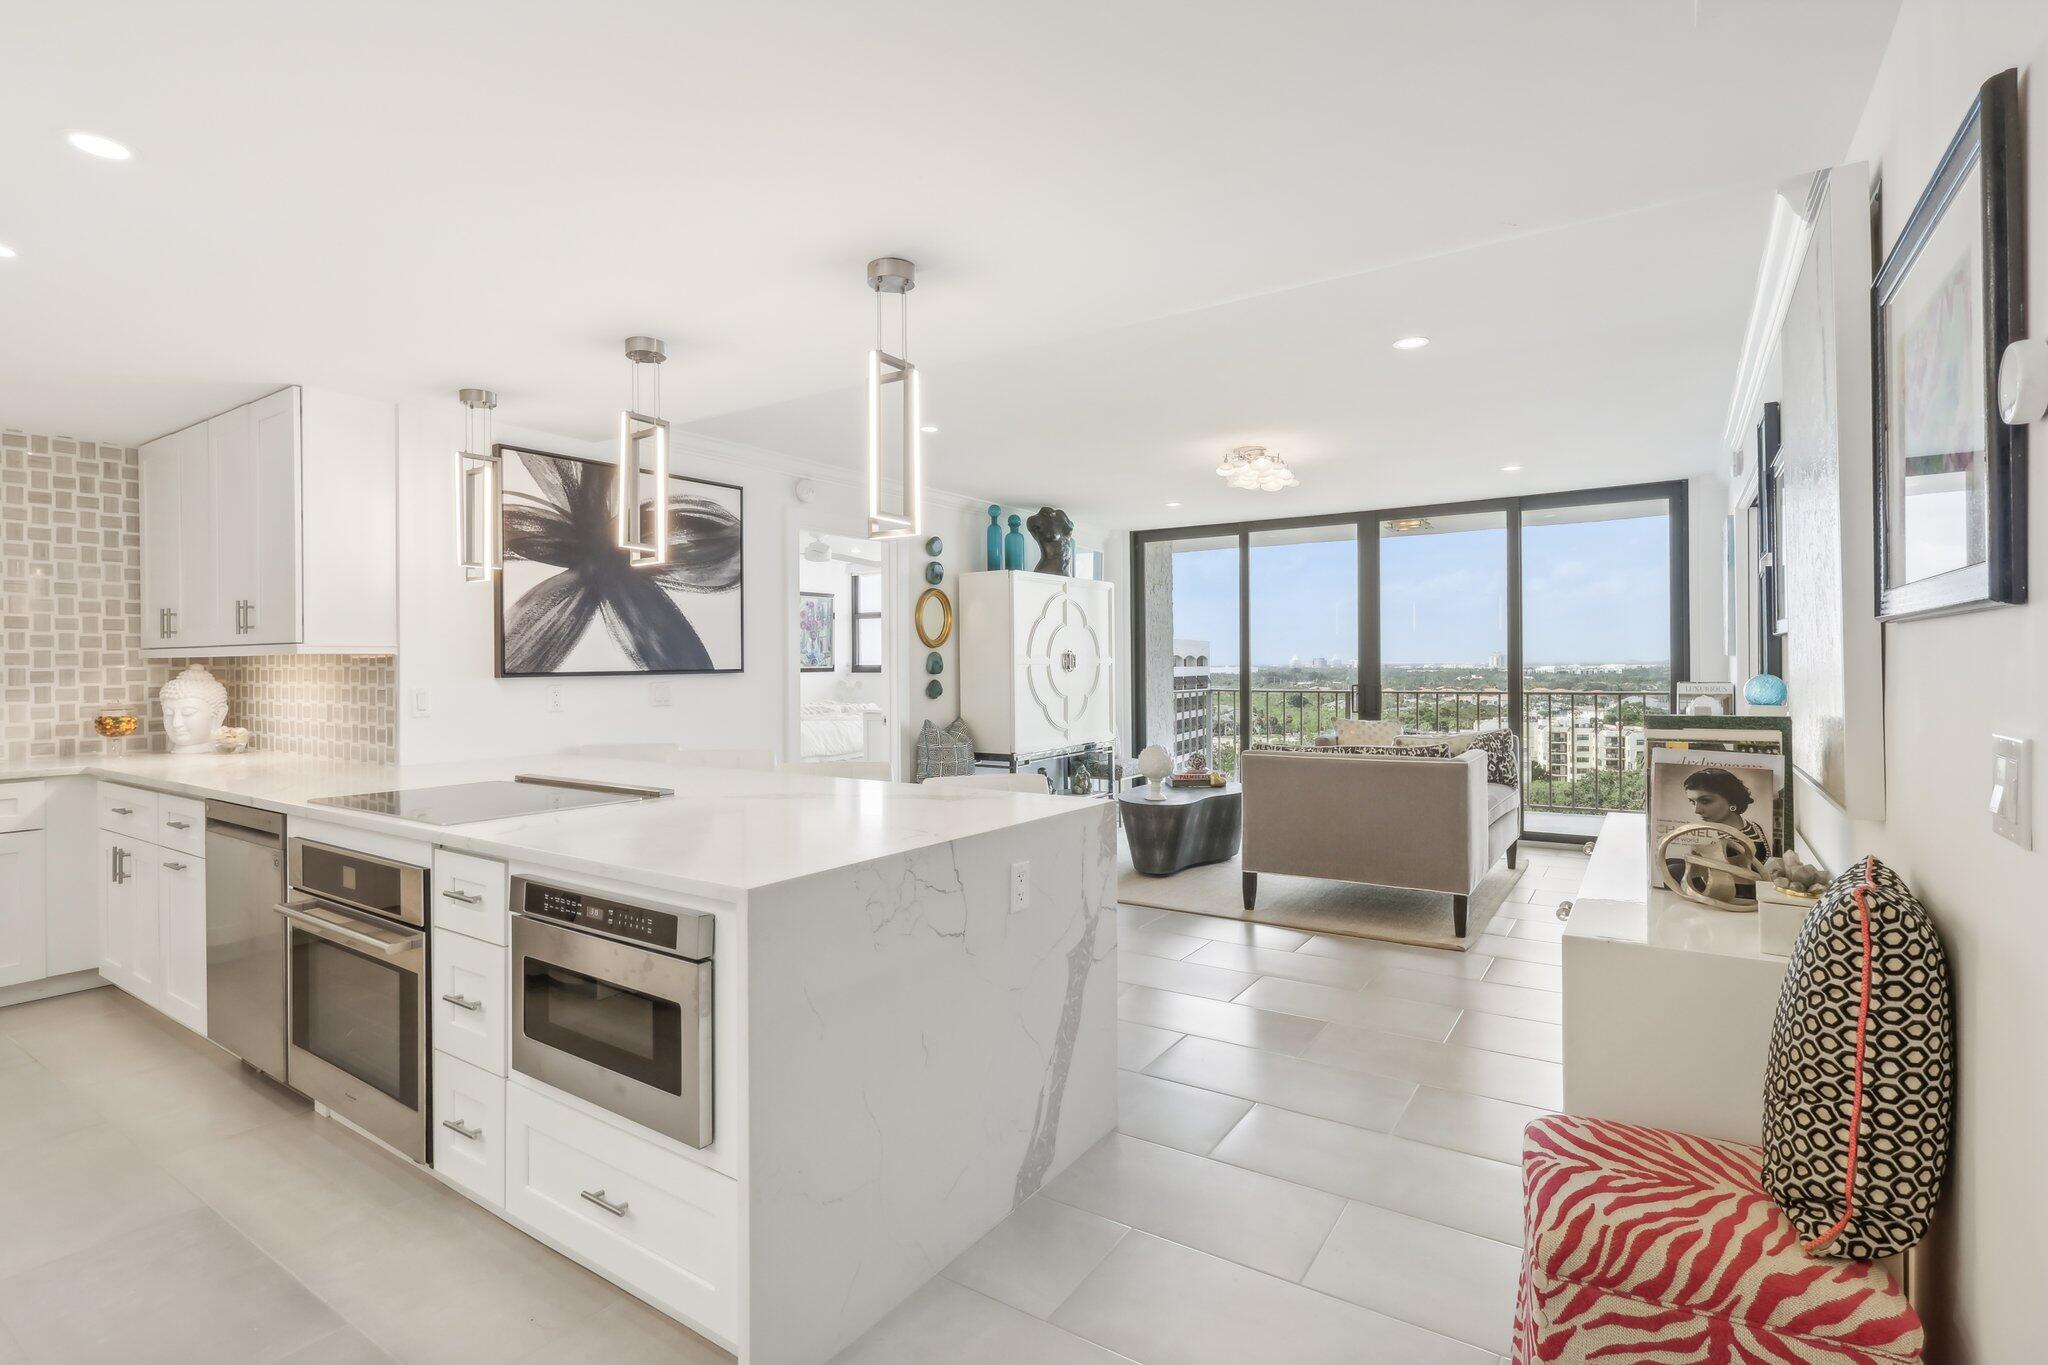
column 678, row 484
column 1991, row 142
column 831, row 663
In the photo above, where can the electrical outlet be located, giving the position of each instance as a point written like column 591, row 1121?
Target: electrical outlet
column 554, row 697
column 1020, row 887
column 422, row 703
column 2012, row 779
column 657, row 693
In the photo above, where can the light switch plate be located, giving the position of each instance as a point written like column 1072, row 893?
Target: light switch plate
column 422, row 702
column 2012, row 782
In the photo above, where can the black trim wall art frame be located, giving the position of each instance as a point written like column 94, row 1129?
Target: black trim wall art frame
column 570, row 604
column 1951, row 505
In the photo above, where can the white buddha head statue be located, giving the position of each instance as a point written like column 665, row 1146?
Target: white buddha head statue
column 194, row 706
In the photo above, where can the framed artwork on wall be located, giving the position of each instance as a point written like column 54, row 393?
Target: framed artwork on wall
column 814, row 625
column 1951, row 528
column 568, row 602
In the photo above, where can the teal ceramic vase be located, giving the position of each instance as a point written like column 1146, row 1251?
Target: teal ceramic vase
column 1016, row 549
column 995, row 537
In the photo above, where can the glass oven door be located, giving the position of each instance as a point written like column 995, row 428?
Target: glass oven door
column 623, row 1026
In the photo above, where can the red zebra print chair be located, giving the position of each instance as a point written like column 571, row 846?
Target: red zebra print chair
column 1640, row 1245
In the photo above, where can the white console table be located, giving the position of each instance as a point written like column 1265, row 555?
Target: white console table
column 1667, row 1004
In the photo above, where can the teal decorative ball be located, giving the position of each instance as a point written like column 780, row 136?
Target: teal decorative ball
column 935, row 547
column 934, row 688
column 1765, row 689
column 934, row 572
column 933, row 663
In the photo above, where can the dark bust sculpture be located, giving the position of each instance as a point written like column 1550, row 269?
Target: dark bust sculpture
column 1054, row 532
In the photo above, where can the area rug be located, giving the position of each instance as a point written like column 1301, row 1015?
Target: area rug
column 1390, row 913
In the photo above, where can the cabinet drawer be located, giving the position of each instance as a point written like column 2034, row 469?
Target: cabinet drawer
column 181, row 825
column 469, row 896
column 128, row 810
column 469, row 1128
column 469, row 1000
column 667, row 1227
column 21, row 806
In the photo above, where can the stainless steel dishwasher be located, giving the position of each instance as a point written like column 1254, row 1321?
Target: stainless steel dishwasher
column 245, row 963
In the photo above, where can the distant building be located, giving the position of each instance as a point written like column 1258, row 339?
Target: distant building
column 1190, row 700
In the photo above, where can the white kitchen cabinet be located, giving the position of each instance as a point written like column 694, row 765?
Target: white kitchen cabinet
column 470, row 895
column 1037, row 661
column 469, row 1132
column 273, row 529
column 468, row 999
column 181, row 934
column 23, row 923
column 131, row 928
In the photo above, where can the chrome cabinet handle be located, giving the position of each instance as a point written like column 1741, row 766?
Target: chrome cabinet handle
column 170, row 621
column 463, row 1002
column 175, row 867
column 461, row 1129
column 121, row 810
column 463, row 897
column 179, row 824
column 596, row 1197
column 114, row 866
column 120, row 865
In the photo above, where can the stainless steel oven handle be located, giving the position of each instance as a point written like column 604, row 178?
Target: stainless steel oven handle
column 321, row 927
column 596, row 1197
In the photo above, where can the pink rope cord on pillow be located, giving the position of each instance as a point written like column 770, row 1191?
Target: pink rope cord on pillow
column 1827, row 1239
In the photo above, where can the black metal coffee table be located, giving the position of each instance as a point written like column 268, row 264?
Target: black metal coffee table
column 1191, row 826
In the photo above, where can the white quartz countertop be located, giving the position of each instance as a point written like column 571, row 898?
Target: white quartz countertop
column 725, row 830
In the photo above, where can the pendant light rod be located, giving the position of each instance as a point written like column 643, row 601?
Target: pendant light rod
column 894, row 275
column 477, row 469
column 643, row 538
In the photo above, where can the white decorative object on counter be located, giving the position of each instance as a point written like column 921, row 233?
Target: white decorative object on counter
column 1037, row 661
column 195, row 703
column 1155, row 765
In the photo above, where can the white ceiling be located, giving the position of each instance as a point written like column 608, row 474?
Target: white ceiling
column 1145, row 231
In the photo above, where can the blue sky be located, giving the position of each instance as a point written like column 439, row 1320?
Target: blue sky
column 1594, row 592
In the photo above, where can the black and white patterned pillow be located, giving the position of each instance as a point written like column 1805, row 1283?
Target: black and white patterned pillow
column 1367, row 750
column 1503, row 761
column 1857, row 1100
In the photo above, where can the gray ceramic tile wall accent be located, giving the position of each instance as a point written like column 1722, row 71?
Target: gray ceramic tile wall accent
column 70, row 627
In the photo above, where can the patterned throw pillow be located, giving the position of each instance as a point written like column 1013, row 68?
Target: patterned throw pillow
column 947, row 752
column 1357, row 750
column 1458, row 740
column 1859, row 1085
column 1351, row 732
column 1503, row 762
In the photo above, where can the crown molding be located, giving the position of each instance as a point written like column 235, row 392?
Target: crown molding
column 1792, row 217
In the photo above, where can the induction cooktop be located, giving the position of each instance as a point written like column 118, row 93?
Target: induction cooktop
column 468, row 803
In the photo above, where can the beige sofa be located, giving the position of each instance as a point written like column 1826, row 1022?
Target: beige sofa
column 1434, row 824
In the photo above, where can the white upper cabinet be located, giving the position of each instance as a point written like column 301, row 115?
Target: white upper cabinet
column 273, row 529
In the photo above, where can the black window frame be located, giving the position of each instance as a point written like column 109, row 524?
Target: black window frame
column 857, row 616
column 1772, row 626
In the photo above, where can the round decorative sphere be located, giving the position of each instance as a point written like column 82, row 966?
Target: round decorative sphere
column 1155, row 764
column 934, row 688
column 934, row 547
column 934, row 572
column 1765, row 689
column 933, row 663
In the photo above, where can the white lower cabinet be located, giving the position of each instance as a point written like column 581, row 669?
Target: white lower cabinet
column 181, row 918
column 656, row 1221
column 24, row 928
column 469, row 1128
column 152, row 908
column 468, row 999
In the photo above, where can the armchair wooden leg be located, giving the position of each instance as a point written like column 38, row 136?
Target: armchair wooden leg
column 1458, row 907
column 1513, row 849
column 1251, row 889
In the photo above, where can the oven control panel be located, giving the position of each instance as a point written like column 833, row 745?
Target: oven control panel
column 686, row 932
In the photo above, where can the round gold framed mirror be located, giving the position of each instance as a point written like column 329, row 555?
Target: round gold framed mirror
column 934, row 615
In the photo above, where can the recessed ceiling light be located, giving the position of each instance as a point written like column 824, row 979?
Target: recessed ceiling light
column 1510, row 469
column 929, row 431
column 6, row 251
column 1411, row 343
column 1173, row 504
column 92, row 144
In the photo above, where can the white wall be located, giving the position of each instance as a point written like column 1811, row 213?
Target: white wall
column 1950, row 684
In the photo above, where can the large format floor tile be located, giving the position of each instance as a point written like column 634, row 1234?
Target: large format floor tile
column 1373, row 1008
column 1185, row 977
column 1164, row 1304
column 1176, row 1115
column 83, row 1191
column 1138, row 1044
column 1220, row 1019
column 1517, row 1002
column 1302, row 965
column 1500, row 1075
column 1436, row 1277
column 1467, row 1123
column 1038, row 1255
column 1352, row 1097
column 1499, row 1033
column 946, row 1323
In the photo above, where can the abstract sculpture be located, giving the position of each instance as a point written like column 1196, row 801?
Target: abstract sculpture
column 1054, row 532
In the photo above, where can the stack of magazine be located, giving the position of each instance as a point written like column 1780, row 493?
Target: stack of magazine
column 1726, row 771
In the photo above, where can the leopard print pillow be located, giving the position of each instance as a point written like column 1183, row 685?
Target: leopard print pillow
column 1503, row 761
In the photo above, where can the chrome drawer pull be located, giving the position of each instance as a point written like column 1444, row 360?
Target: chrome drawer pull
column 179, row 824
column 463, row 897
column 461, row 1129
column 596, row 1197
column 463, row 1002
column 175, row 867
column 121, row 810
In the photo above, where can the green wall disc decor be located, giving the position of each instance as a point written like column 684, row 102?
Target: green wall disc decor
column 934, row 547
column 933, row 663
column 934, row 688
column 934, row 572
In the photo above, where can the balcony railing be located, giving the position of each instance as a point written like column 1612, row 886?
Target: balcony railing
column 1582, row 749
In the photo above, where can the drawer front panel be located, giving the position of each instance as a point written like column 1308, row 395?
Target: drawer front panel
column 21, row 806
column 658, row 1222
column 470, row 1000
column 128, row 810
column 469, row 1128
column 181, row 825
column 470, row 896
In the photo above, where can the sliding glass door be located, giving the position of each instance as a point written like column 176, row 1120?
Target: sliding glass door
column 1560, row 616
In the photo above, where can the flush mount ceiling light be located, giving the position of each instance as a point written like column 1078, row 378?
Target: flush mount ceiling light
column 643, row 529
column 105, row 148
column 929, row 431
column 892, row 276
column 477, row 550
column 1411, row 343
column 6, row 251
column 1510, row 469
column 1253, row 467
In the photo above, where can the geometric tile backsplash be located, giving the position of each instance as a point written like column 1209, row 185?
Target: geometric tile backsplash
column 71, row 627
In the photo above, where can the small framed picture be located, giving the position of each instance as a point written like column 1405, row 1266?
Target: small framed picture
column 1951, row 527
column 814, row 632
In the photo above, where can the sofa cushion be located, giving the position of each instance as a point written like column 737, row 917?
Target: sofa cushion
column 1368, row 732
column 1641, row 1244
column 1500, row 800
column 1858, row 1086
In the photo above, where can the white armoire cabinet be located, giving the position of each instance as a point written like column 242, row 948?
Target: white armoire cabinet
column 1037, row 662
column 273, row 529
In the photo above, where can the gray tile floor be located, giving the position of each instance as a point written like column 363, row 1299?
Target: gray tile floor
column 1315, row 1162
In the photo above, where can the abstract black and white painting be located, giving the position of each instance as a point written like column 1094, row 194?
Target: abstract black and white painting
column 570, row 603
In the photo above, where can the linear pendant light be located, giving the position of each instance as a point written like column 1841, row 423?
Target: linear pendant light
column 892, row 275
column 642, row 536
column 477, row 467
